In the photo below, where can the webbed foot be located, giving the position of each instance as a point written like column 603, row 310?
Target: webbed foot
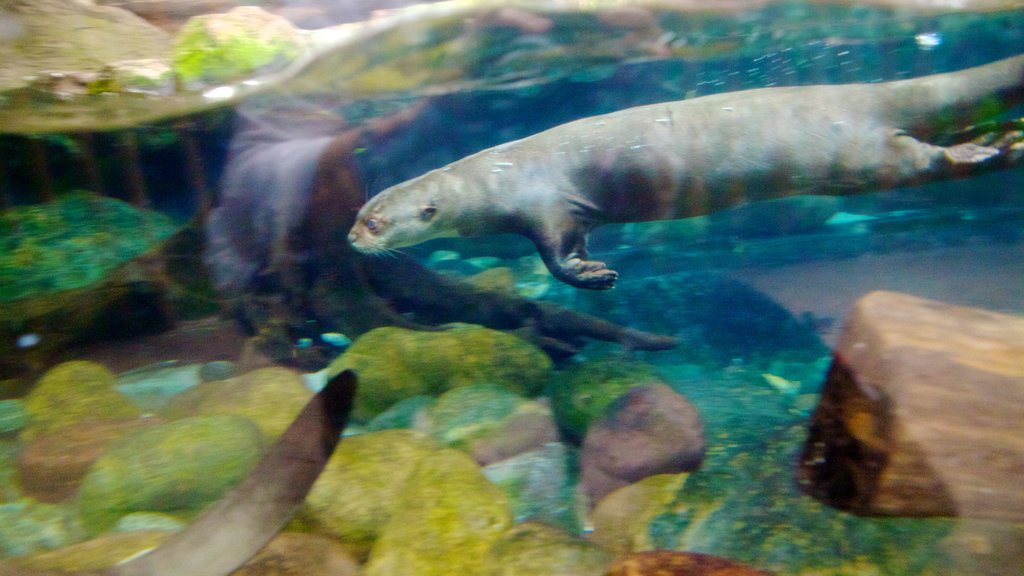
column 969, row 153
column 589, row 274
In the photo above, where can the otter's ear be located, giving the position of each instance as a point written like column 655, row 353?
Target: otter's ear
column 427, row 212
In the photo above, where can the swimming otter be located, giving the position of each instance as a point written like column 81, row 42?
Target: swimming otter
column 276, row 246
column 693, row 157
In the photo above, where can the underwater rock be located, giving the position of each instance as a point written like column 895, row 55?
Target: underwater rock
column 74, row 392
column 215, row 48
column 73, row 269
column 648, row 430
column 409, row 413
column 270, row 397
column 12, row 415
column 669, row 563
column 489, row 422
column 533, row 548
column 396, row 363
column 52, row 466
column 361, row 485
column 217, row 370
column 921, row 412
column 582, row 393
column 541, row 486
column 292, row 554
column 102, row 35
column 444, row 522
column 27, row 526
column 180, row 466
column 152, row 387
column 620, row 519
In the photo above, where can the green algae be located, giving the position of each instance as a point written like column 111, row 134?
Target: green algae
column 73, row 242
column 395, row 363
column 70, row 393
column 178, row 467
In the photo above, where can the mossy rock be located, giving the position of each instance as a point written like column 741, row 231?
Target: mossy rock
column 444, row 523
column 221, row 47
column 270, row 397
column 178, row 467
column 583, row 393
column 466, row 413
column 361, row 484
column 73, row 392
column 75, row 241
column 408, row 413
column 620, row 519
column 541, row 486
column 533, row 548
column 396, row 363
column 28, row 526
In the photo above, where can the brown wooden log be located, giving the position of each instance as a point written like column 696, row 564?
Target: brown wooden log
column 922, row 413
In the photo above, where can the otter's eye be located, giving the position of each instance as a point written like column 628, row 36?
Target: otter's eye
column 428, row 212
column 372, row 225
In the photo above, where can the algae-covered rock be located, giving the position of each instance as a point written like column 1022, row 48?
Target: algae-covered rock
column 73, row 392
column 540, row 486
column 270, row 397
column 396, row 363
column 53, row 465
column 178, row 467
column 444, row 522
column 27, row 526
column 532, row 548
column 583, row 393
column 409, row 413
column 219, row 47
column 72, row 242
column 294, row 554
column 489, row 422
column 621, row 518
column 360, row 485
column 12, row 415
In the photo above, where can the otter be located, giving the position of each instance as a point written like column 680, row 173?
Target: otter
column 693, row 157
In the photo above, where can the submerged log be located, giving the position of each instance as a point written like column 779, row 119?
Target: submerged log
column 922, row 413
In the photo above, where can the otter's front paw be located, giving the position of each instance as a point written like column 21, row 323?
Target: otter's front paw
column 589, row 274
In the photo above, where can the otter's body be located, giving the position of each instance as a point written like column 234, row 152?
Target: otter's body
column 692, row 157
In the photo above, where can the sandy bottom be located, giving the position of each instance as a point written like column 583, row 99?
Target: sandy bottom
column 990, row 277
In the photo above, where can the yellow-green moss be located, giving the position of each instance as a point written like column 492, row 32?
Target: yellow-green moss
column 70, row 393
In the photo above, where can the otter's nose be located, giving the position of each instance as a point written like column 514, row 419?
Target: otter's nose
column 352, row 237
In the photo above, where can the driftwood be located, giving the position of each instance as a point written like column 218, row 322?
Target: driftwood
column 277, row 247
column 922, row 413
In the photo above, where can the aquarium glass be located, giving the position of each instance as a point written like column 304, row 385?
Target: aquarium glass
column 735, row 284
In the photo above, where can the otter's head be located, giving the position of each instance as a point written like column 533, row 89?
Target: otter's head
column 403, row 215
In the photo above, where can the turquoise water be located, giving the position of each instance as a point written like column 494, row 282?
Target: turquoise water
column 116, row 248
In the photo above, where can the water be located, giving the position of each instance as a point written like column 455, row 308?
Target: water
column 118, row 249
